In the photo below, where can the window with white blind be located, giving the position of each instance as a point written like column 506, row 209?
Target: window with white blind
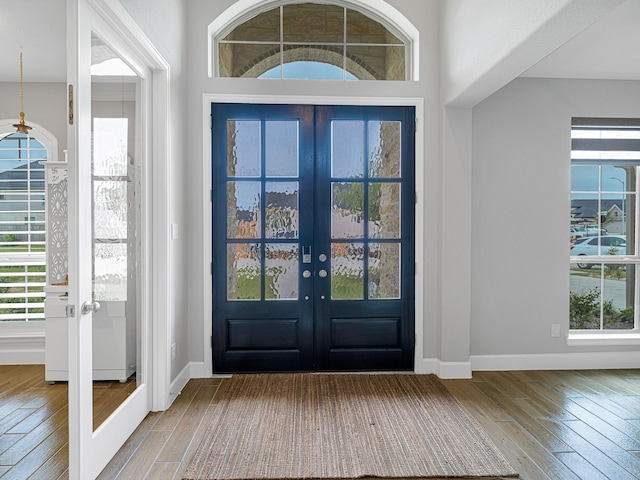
column 604, row 257
column 22, row 228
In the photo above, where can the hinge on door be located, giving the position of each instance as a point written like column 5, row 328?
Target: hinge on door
column 70, row 104
column 211, row 340
column 211, row 196
column 211, row 268
column 71, row 311
column 210, row 122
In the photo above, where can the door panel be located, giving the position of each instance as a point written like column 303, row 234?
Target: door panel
column 313, row 238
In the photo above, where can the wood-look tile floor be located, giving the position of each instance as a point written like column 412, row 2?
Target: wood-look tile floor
column 551, row 425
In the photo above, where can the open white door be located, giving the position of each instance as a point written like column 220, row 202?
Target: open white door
column 109, row 142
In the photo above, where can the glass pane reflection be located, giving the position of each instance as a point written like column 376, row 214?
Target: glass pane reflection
column 347, row 149
column 243, row 209
column 384, row 149
column 110, row 209
column 281, row 148
column 384, row 210
column 347, row 271
column 243, row 148
column 110, row 272
column 281, row 271
column 384, row 270
column 281, row 210
column 347, row 210
column 243, row 271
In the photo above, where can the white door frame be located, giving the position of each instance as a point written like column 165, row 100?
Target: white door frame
column 208, row 99
column 89, row 450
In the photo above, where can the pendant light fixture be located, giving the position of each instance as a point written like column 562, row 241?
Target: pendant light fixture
column 21, row 127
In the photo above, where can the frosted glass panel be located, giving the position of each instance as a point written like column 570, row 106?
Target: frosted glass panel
column 281, row 268
column 243, row 209
column 384, row 270
column 281, row 210
column 281, row 148
column 347, row 149
column 110, row 209
column 384, row 149
column 347, row 271
column 347, row 210
column 384, row 210
column 110, row 146
column 110, row 271
column 243, row 148
column 243, row 271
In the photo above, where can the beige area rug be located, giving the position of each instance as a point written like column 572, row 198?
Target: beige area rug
column 308, row 426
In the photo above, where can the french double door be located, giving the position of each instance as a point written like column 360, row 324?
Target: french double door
column 313, row 238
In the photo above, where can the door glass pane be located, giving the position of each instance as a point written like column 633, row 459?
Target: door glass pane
column 243, row 210
column 110, row 137
column 281, row 148
column 281, row 210
column 384, row 270
column 281, row 271
column 384, row 210
column 110, row 272
column 243, row 271
column 347, row 210
column 243, row 148
column 347, row 149
column 110, row 210
column 347, row 271
column 384, row 149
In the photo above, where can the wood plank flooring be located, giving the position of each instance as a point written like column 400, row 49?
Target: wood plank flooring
column 551, row 425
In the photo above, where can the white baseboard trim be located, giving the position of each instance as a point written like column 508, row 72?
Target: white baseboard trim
column 199, row 370
column 557, row 361
column 179, row 382
column 22, row 349
column 442, row 369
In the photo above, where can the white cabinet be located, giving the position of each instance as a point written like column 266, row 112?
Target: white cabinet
column 113, row 346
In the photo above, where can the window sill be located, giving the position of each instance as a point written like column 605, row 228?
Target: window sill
column 602, row 339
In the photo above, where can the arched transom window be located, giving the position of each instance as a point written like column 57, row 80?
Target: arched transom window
column 311, row 41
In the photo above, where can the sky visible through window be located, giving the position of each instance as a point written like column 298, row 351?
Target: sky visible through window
column 308, row 71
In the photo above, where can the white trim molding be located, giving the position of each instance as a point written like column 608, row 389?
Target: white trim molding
column 443, row 369
column 22, row 348
column 378, row 10
column 206, row 369
column 557, row 361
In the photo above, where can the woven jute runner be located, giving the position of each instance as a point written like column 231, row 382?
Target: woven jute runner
column 316, row 426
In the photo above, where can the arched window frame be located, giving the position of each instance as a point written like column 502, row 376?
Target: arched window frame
column 378, row 10
column 50, row 143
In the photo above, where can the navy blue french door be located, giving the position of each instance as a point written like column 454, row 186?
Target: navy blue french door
column 313, row 238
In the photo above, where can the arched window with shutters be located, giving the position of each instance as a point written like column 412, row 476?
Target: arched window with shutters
column 302, row 40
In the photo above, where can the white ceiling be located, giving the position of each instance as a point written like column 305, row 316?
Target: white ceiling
column 608, row 49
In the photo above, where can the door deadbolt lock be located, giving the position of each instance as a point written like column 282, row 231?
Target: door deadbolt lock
column 306, row 274
column 322, row 273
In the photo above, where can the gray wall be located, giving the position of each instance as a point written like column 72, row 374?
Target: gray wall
column 44, row 104
column 424, row 16
column 520, row 209
column 163, row 22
